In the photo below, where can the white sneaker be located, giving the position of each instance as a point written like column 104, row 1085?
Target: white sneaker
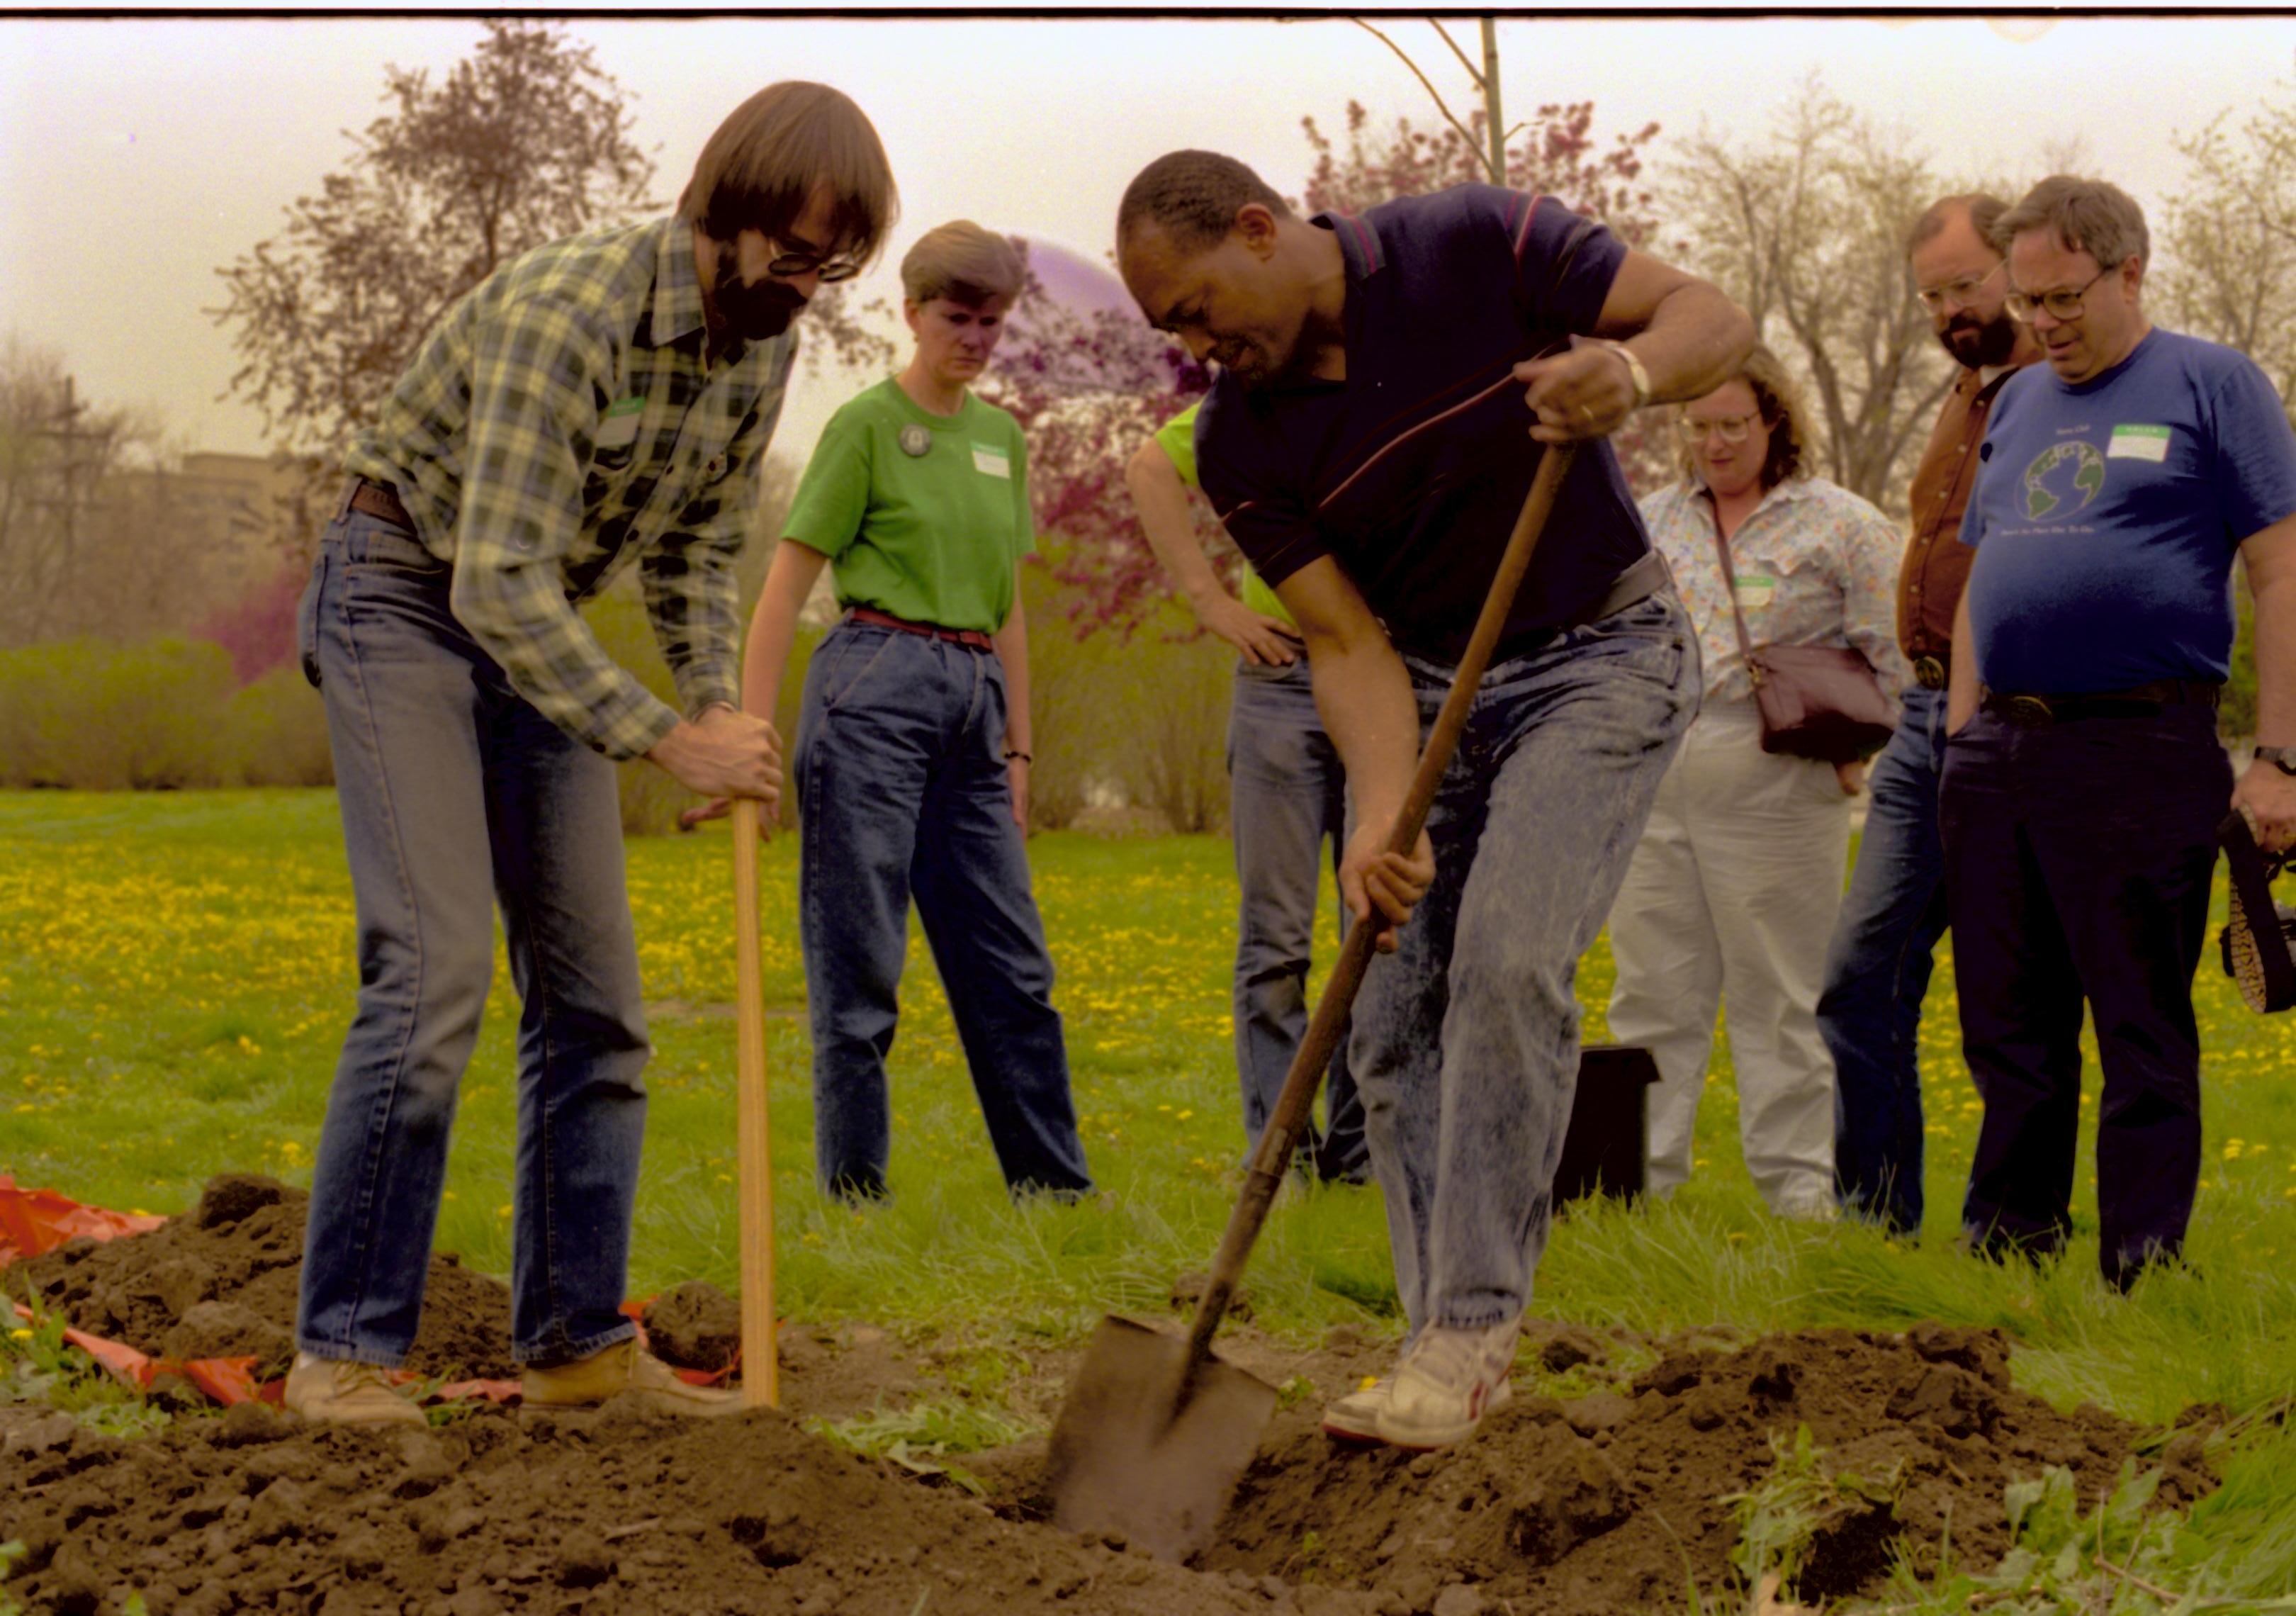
column 1355, row 1417
column 1448, row 1380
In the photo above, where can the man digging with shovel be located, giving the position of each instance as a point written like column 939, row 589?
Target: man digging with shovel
column 1368, row 446
column 603, row 400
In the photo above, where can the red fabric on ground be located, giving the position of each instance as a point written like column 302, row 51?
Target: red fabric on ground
column 37, row 1221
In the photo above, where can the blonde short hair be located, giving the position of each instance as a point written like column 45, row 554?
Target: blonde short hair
column 964, row 263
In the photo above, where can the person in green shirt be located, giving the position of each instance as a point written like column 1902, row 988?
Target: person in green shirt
column 1287, row 793
column 911, row 759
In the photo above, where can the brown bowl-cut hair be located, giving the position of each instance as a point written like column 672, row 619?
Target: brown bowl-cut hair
column 964, row 263
column 1779, row 401
column 761, row 167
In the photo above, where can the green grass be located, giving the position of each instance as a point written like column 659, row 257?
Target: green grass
column 177, row 971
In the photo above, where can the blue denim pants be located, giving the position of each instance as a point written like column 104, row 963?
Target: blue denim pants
column 1466, row 1038
column 457, row 796
column 1287, row 792
column 902, row 792
column 1877, row 971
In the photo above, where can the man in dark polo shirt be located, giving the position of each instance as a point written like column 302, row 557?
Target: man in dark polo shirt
column 1386, row 384
column 1878, row 968
column 2083, row 778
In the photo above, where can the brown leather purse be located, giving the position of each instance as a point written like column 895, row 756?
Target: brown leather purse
column 1820, row 701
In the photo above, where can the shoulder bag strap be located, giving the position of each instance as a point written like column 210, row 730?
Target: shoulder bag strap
column 1737, row 614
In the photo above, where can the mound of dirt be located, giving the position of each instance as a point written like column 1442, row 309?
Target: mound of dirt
column 1611, row 1501
column 222, row 1281
column 616, row 1511
column 695, row 1326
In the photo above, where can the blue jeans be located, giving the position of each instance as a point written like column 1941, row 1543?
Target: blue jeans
column 902, row 791
column 1878, row 969
column 1287, row 792
column 1466, row 1040
column 457, row 795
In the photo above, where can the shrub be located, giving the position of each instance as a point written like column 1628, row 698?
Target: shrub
column 96, row 716
column 281, row 725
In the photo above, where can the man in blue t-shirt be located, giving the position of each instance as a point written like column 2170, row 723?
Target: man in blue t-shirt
column 1387, row 382
column 2084, row 780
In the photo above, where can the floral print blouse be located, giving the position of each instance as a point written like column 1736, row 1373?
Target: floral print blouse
column 1815, row 565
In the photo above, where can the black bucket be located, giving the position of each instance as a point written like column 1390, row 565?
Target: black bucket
column 1609, row 1140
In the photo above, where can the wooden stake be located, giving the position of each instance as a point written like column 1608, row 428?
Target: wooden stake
column 760, row 1353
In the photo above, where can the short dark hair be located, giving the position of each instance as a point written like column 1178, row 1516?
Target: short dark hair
column 1981, row 208
column 1194, row 198
column 2091, row 216
column 761, row 167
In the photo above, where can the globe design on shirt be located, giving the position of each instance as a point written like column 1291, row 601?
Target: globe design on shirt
column 2047, row 488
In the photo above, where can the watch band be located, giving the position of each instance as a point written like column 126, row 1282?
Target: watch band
column 1634, row 371
column 2282, row 757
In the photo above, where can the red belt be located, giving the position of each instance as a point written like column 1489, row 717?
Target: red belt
column 971, row 638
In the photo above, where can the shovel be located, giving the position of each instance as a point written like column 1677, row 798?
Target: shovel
column 760, row 1353
column 1156, row 1431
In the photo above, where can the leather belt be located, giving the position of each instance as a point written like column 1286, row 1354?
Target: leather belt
column 2138, row 701
column 971, row 638
column 379, row 501
column 1930, row 672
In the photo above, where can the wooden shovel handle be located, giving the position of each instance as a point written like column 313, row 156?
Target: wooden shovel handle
column 760, row 1355
column 1281, row 1136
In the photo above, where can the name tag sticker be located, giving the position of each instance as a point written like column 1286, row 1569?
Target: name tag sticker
column 1756, row 589
column 994, row 462
column 2138, row 443
column 617, row 428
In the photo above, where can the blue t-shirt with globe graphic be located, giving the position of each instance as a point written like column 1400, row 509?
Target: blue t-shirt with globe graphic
column 2107, row 514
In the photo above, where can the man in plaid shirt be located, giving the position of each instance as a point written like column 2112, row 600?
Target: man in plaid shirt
column 600, row 401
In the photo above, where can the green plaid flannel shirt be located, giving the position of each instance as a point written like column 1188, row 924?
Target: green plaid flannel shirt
column 506, row 444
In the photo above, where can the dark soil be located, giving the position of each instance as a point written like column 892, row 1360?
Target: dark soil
column 1612, row 1501
column 221, row 1282
column 1615, row 1499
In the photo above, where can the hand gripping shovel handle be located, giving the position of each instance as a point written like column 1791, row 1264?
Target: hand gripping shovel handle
column 1281, row 1136
column 761, row 1354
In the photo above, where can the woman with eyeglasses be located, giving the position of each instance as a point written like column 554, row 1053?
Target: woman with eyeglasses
column 913, row 743
column 1729, row 899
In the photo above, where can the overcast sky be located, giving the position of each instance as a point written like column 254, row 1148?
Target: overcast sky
column 136, row 156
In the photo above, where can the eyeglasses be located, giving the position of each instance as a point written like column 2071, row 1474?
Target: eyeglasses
column 1732, row 429
column 1958, row 292
column 790, row 264
column 2061, row 304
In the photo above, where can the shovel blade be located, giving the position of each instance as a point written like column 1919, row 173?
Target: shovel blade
column 1125, row 1460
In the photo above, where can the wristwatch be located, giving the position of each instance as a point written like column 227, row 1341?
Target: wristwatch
column 2282, row 757
column 1634, row 371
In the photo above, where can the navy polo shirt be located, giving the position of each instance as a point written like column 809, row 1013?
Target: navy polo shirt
column 2107, row 514
column 1410, row 473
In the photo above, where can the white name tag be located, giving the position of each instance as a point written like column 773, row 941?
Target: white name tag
column 2138, row 443
column 995, row 463
column 1756, row 590
column 617, row 428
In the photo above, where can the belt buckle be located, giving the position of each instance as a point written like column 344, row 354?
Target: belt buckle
column 2031, row 712
column 1929, row 673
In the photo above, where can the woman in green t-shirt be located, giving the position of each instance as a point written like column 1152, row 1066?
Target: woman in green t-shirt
column 911, row 759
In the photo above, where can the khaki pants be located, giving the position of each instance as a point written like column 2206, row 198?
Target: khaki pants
column 1731, row 897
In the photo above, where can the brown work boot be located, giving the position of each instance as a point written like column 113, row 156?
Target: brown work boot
column 590, row 1381
column 345, row 1393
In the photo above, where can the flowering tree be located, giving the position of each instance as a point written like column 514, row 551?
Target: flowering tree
column 1087, row 388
